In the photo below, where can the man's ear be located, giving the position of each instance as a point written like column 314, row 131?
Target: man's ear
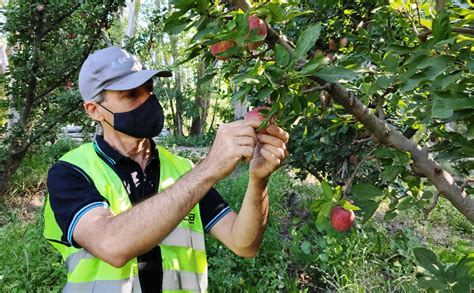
column 92, row 109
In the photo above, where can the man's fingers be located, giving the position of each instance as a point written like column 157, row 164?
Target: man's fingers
column 270, row 157
column 245, row 153
column 272, row 140
column 254, row 123
column 277, row 152
column 274, row 130
column 245, row 141
column 233, row 129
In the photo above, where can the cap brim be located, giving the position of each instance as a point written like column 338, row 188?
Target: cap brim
column 136, row 79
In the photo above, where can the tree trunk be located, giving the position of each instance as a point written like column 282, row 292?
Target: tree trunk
column 440, row 5
column 201, row 104
column 179, row 104
column 132, row 13
column 240, row 109
column 11, row 165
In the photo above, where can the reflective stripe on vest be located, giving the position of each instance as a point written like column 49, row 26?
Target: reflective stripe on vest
column 126, row 285
column 183, row 250
column 181, row 280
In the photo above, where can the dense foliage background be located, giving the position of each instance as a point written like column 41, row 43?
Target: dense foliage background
column 377, row 97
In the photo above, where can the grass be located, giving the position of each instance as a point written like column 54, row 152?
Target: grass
column 294, row 256
column 28, row 262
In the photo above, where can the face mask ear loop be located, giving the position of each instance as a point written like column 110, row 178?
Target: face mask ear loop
column 105, row 108
column 109, row 112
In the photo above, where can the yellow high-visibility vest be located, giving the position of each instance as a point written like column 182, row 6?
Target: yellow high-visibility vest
column 183, row 251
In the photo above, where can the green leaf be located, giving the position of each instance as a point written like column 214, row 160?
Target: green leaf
column 206, row 78
column 241, row 92
column 391, row 62
column 429, row 261
column 431, row 283
column 442, row 61
column 312, row 65
column 405, row 204
column 276, row 12
column 444, row 107
column 441, row 25
column 348, row 206
column 325, row 209
column 210, row 29
column 183, row 4
column 242, row 23
column 306, row 247
column 281, row 55
column 327, row 190
column 390, row 215
column 264, row 93
column 391, row 172
column 365, row 191
column 465, row 267
column 367, row 208
column 336, row 73
column 295, row 104
column 174, row 25
column 439, row 110
column 306, row 40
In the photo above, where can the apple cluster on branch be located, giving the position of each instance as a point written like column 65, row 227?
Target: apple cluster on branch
column 254, row 24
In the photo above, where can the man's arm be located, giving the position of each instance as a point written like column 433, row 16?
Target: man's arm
column 118, row 238
column 243, row 232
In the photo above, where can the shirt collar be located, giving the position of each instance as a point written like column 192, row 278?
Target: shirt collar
column 109, row 154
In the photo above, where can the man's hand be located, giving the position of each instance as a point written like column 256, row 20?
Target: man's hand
column 234, row 142
column 269, row 153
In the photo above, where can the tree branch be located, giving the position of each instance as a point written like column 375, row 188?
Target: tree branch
column 46, row 129
column 56, row 23
column 462, row 30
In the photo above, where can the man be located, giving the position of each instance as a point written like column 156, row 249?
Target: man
column 128, row 215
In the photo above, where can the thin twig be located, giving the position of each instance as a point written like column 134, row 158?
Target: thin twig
column 317, row 88
column 466, row 183
column 349, row 182
column 362, row 140
column 433, row 204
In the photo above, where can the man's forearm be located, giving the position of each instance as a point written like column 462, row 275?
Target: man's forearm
column 139, row 229
column 249, row 225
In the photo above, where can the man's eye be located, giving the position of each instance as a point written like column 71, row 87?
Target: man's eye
column 132, row 95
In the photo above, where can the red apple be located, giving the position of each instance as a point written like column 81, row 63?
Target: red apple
column 220, row 47
column 256, row 23
column 332, row 45
column 255, row 114
column 342, row 219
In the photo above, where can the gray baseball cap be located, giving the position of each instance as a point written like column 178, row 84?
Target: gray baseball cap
column 113, row 68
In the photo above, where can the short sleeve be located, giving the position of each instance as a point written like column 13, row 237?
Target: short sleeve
column 71, row 195
column 213, row 208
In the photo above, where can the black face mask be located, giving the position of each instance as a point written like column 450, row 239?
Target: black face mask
column 145, row 121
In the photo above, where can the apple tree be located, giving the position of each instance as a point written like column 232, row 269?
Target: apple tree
column 48, row 42
column 377, row 96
